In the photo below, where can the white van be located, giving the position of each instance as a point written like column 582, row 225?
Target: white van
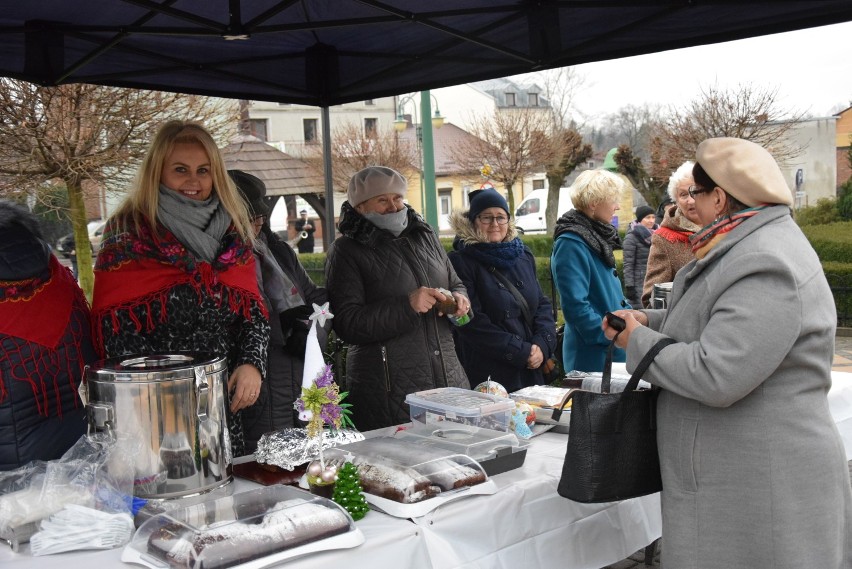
column 529, row 216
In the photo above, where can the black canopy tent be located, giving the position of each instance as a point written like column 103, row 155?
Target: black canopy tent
column 328, row 52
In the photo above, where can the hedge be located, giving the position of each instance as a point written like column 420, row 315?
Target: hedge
column 832, row 242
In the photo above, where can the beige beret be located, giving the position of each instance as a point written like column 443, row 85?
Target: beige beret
column 745, row 170
column 374, row 181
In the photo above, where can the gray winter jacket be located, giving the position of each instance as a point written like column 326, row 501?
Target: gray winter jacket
column 754, row 471
column 393, row 350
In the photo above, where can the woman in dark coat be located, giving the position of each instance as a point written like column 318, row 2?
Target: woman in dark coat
column 507, row 339
column 45, row 342
column 382, row 277
column 289, row 293
column 637, row 245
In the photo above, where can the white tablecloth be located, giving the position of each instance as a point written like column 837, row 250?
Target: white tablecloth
column 525, row 524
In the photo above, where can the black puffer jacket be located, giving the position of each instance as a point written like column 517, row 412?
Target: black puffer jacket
column 283, row 384
column 394, row 350
column 41, row 415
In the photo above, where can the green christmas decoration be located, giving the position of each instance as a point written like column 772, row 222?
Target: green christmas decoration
column 348, row 492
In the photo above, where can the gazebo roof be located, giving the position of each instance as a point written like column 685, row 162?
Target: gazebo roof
column 283, row 174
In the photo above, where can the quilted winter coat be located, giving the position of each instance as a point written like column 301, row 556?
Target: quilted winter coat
column 393, row 350
column 754, row 471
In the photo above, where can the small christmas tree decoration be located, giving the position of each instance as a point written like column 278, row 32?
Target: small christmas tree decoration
column 348, row 492
column 321, row 403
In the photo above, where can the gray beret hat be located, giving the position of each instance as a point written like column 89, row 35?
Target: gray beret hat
column 374, row 181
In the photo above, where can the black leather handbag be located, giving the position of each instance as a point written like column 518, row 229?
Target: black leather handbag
column 612, row 439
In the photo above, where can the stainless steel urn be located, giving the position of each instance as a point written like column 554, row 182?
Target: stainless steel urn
column 170, row 410
column 661, row 295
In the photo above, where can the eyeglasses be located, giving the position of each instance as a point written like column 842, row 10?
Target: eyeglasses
column 695, row 190
column 489, row 219
column 259, row 219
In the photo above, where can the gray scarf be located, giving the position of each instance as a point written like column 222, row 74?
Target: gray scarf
column 394, row 222
column 199, row 225
column 274, row 282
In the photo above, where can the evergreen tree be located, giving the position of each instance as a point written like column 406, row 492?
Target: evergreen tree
column 348, row 492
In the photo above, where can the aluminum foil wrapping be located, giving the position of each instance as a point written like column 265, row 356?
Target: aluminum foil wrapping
column 288, row 448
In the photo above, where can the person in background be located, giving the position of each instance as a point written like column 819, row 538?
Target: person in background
column 383, row 274
column 176, row 270
column 584, row 272
column 670, row 246
column 289, row 294
column 45, row 343
column 753, row 468
column 69, row 251
column 637, row 244
column 512, row 333
column 304, row 225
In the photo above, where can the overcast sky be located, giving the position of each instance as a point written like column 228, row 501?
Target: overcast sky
column 812, row 69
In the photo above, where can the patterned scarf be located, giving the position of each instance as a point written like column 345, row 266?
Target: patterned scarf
column 601, row 237
column 199, row 225
column 37, row 312
column 140, row 269
column 703, row 241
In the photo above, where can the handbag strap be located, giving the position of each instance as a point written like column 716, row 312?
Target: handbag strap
column 646, row 361
column 640, row 370
column 519, row 298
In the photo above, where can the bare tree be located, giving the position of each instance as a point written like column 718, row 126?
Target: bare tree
column 634, row 126
column 352, row 151
column 747, row 111
column 514, row 143
column 570, row 151
column 84, row 137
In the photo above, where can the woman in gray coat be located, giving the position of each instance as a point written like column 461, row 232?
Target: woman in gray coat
column 754, row 471
column 382, row 277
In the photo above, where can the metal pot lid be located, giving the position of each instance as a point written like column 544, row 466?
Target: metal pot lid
column 155, row 367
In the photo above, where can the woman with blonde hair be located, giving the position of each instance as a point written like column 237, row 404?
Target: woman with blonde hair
column 583, row 267
column 176, row 270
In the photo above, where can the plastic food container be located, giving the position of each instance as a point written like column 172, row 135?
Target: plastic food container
column 251, row 530
column 475, row 442
column 461, row 406
column 403, row 472
column 495, row 451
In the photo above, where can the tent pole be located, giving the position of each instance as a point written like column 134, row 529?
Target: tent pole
column 328, row 228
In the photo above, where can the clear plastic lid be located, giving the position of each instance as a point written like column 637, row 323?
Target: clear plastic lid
column 403, row 472
column 475, row 442
column 460, row 402
column 541, row 395
column 238, row 529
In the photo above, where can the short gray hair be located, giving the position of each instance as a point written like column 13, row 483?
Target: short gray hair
column 683, row 172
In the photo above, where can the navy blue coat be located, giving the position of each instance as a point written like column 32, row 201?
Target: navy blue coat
column 497, row 341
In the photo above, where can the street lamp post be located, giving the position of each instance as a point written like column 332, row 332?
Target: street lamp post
column 426, row 149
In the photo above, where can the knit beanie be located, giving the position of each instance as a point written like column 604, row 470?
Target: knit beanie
column 745, row 170
column 481, row 200
column 374, row 181
column 643, row 211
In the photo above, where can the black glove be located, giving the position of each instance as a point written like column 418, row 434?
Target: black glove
column 631, row 293
column 288, row 317
column 296, row 342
